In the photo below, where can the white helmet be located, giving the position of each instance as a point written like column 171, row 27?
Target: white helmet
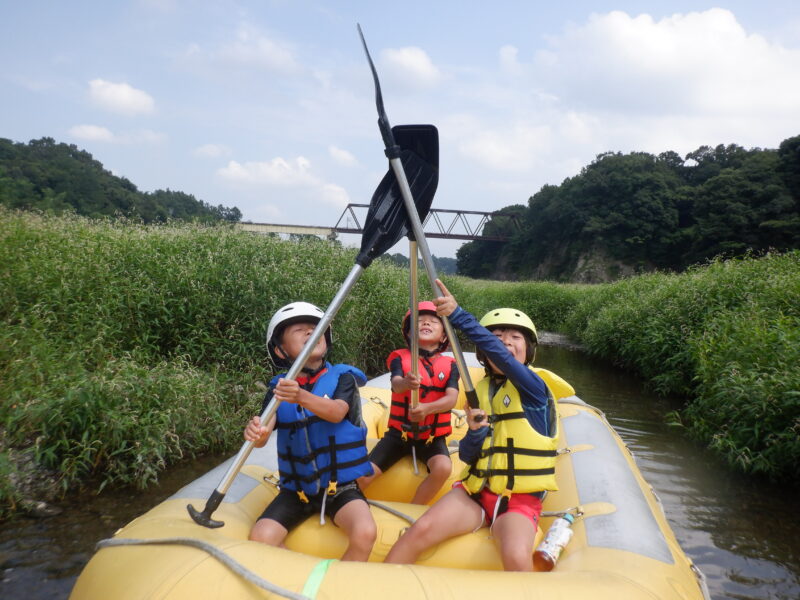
column 292, row 313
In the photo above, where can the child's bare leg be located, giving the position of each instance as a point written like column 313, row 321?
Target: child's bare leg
column 364, row 481
column 440, row 467
column 515, row 534
column 268, row 531
column 453, row 514
column 356, row 521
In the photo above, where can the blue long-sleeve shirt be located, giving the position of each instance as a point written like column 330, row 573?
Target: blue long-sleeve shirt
column 532, row 388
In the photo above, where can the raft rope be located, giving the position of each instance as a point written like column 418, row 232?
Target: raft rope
column 271, row 481
column 392, row 511
column 229, row 562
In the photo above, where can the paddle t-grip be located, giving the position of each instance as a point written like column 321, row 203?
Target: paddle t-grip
column 204, row 518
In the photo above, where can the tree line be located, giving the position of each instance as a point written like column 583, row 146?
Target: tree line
column 650, row 212
column 57, row 177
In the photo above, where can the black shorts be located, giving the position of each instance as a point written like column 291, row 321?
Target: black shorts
column 289, row 510
column 391, row 448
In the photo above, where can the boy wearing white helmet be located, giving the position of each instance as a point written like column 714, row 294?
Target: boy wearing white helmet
column 321, row 437
column 426, row 427
column 510, row 449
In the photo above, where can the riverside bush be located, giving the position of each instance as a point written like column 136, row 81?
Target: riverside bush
column 725, row 336
column 124, row 348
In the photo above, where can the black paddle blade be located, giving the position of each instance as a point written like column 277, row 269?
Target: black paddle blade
column 417, row 146
column 422, row 140
column 387, row 220
column 383, row 120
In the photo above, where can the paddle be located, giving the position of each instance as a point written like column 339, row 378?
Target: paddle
column 394, row 153
column 385, row 224
column 414, row 337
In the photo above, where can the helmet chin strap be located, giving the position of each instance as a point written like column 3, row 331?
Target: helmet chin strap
column 311, row 372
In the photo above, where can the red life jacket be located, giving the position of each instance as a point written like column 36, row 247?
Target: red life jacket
column 434, row 374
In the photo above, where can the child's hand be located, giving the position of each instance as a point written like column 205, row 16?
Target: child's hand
column 416, row 415
column 446, row 303
column 472, row 414
column 411, row 381
column 287, row 390
column 255, row 431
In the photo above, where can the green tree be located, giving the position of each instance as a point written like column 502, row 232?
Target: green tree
column 50, row 176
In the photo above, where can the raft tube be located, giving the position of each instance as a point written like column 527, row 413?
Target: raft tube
column 622, row 545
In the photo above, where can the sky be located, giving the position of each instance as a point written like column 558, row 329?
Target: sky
column 269, row 105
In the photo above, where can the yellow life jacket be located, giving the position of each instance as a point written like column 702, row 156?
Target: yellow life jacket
column 514, row 458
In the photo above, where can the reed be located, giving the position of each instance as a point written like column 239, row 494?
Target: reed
column 124, row 348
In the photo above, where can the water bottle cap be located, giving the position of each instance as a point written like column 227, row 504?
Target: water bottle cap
column 569, row 518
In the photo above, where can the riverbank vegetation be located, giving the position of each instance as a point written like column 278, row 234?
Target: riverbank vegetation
column 125, row 348
column 637, row 212
column 56, row 177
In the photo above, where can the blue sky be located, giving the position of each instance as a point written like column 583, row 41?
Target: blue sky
column 269, row 105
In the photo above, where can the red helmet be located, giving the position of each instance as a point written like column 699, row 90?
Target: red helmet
column 424, row 307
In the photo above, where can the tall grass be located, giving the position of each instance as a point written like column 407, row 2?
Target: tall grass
column 124, row 348
column 725, row 336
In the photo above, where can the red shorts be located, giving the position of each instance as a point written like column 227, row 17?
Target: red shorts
column 528, row 505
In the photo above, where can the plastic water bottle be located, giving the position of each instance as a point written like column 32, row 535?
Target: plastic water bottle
column 558, row 536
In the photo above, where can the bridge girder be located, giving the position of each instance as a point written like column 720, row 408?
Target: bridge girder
column 447, row 224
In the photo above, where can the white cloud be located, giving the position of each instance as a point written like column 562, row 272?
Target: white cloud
column 335, row 195
column 251, row 48
column 625, row 83
column 508, row 59
column 212, row 151
column 97, row 133
column 507, row 148
column 687, row 63
column 342, row 157
column 276, row 172
column 248, row 48
column 93, row 133
column 284, row 174
column 120, row 98
column 143, row 136
column 412, row 66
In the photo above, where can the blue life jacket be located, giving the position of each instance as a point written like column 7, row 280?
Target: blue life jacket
column 315, row 454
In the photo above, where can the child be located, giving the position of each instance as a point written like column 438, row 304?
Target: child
column 423, row 428
column 321, row 438
column 510, row 455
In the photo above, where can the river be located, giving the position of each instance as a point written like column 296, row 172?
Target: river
column 744, row 535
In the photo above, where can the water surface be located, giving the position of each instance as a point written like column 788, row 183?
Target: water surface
column 743, row 534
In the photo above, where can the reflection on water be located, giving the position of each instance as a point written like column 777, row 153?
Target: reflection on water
column 41, row 558
column 745, row 536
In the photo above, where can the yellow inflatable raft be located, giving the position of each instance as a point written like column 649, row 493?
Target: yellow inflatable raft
column 622, row 546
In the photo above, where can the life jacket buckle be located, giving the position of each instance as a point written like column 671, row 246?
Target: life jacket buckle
column 302, row 495
column 331, row 491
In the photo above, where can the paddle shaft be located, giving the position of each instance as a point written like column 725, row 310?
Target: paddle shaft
column 414, row 323
column 430, row 268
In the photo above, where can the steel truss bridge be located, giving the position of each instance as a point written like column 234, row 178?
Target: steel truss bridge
column 441, row 223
